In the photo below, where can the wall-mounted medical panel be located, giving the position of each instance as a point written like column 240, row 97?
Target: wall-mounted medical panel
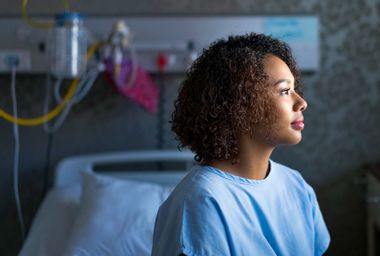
column 180, row 39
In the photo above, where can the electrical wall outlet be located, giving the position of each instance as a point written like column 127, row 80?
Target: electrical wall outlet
column 20, row 58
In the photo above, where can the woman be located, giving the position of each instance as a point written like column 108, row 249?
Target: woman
column 240, row 100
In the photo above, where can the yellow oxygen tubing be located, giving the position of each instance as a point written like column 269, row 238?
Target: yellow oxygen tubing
column 36, row 24
column 54, row 112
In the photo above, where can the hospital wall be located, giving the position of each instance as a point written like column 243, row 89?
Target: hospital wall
column 342, row 119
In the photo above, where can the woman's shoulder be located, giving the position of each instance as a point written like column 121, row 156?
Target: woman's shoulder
column 293, row 179
column 202, row 180
column 199, row 183
column 289, row 175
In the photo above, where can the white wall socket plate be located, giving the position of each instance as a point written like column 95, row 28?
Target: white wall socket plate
column 20, row 57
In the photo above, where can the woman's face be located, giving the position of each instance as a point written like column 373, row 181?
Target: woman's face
column 287, row 105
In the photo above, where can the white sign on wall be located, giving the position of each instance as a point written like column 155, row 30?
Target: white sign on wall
column 301, row 33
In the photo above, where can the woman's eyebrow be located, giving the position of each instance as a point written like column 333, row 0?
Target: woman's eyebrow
column 288, row 81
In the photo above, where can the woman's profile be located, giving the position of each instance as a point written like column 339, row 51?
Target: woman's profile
column 240, row 100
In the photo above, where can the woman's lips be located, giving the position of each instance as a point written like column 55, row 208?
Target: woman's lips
column 298, row 125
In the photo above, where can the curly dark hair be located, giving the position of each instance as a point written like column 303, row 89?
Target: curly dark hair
column 224, row 95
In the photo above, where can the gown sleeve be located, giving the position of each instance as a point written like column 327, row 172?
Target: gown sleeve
column 204, row 230
column 322, row 236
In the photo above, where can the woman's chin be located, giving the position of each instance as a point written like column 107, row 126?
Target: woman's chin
column 292, row 140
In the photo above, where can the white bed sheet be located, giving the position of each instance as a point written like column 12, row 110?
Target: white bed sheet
column 51, row 226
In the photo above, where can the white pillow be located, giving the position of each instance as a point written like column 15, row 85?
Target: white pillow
column 115, row 217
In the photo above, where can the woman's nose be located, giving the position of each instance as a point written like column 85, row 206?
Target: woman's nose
column 300, row 104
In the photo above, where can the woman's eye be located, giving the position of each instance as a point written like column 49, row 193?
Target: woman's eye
column 285, row 92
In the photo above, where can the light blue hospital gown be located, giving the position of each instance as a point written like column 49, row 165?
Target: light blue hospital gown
column 212, row 212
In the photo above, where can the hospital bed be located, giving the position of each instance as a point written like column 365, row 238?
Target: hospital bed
column 95, row 210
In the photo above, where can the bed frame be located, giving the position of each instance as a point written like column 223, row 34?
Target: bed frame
column 68, row 170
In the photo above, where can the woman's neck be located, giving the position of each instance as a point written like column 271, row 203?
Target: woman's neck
column 253, row 161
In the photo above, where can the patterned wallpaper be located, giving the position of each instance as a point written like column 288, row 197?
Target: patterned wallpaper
column 342, row 119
